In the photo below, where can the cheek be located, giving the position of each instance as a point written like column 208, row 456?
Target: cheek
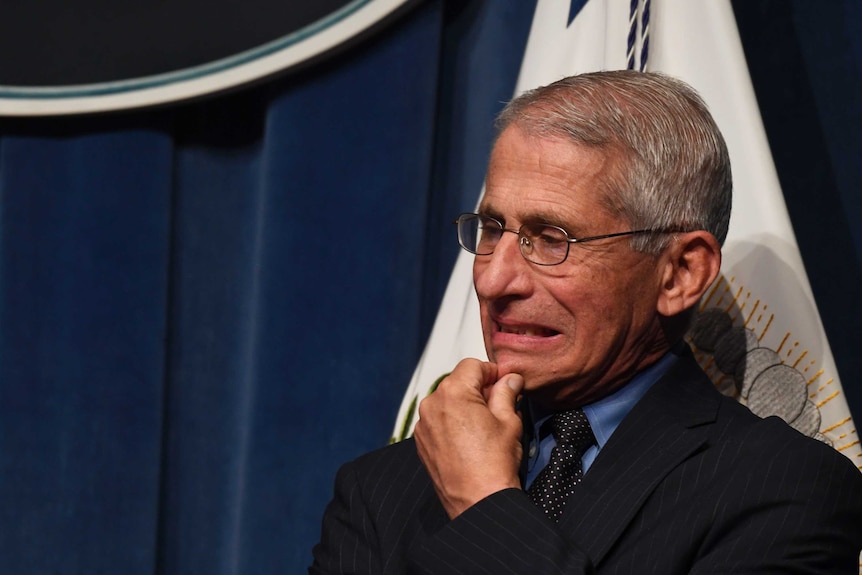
column 597, row 306
column 582, row 295
column 487, row 331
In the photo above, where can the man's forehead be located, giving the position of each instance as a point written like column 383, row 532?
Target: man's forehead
column 517, row 150
column 584, row 217
column 567, row 193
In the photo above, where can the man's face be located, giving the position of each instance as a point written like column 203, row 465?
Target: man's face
column 579, row 330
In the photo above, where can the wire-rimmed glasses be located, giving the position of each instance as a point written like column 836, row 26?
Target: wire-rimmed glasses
column 542, row 244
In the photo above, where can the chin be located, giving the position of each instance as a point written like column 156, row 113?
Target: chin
column 534, row 376
column 508, row 364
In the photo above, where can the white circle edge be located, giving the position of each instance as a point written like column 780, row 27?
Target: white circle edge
column 243, row 68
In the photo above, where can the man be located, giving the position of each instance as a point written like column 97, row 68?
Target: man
column 607, row 199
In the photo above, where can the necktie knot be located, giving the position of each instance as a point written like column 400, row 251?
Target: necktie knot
column 572, row 428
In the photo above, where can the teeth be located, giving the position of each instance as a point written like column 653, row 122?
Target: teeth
column 532, row 332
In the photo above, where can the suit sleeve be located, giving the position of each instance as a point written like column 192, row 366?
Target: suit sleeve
column 502, row 534
column 348, row 542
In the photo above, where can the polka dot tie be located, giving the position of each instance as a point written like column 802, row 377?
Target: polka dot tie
column 556, row 483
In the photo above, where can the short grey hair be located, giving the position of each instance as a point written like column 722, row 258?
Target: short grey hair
column 671, row 166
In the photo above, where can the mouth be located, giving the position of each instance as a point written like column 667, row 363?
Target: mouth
column 529, row 331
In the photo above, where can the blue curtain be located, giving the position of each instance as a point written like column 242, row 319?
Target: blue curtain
column 205, row 309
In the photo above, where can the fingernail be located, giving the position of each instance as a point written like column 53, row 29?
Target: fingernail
column 515, row 382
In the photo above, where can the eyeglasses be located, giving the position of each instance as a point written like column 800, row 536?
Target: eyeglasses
column 542, row 244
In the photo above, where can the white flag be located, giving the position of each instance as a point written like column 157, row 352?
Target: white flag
column 758, row 334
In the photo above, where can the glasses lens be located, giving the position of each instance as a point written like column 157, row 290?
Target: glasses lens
column 546, row 245
column 478, row 235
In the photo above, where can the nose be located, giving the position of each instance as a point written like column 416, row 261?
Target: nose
column 503, row 273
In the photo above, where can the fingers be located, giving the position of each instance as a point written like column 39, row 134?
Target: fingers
column 480, row 378
column 503, row 395
column 469, row 435
column 475, row 373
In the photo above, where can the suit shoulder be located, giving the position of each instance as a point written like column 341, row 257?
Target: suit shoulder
column 392, row 455
column 771, row 447
column 376, row 472
column 743, row 444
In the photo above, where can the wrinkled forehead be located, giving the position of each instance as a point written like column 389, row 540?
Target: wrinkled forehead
column 526, row 167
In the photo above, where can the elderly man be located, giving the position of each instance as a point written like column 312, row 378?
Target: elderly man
column 592, row 442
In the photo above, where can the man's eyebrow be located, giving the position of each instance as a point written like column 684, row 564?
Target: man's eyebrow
column 549, row 218
column 543, row 218
column 554, row 219
column 489, row 211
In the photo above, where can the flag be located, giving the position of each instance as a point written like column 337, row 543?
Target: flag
column 758, row 333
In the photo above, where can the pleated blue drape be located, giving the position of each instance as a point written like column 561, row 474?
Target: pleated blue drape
column 205, row 309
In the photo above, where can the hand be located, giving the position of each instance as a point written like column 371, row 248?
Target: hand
column 469, row 435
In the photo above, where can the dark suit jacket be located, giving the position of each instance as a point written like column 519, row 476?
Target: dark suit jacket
column 690, row 482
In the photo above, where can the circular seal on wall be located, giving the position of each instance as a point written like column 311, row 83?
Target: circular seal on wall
column 99, row 55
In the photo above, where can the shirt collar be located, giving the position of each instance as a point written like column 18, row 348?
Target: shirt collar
column 606, row 414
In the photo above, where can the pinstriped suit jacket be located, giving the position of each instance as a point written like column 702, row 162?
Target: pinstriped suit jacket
column 690, row 482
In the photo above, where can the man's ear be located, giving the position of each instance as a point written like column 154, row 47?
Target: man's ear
column 689, row 266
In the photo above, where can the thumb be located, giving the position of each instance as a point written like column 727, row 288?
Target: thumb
column 504, row 395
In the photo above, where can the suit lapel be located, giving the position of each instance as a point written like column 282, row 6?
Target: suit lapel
column 669, row 424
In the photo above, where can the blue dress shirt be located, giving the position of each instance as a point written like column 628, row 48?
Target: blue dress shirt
column 604, row 416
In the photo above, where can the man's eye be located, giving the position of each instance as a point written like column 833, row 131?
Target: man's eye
column 490, row 229
column 549, row 237
column 550, row 241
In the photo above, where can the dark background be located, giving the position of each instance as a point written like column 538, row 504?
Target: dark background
column 205, row 309
column 57, row 43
